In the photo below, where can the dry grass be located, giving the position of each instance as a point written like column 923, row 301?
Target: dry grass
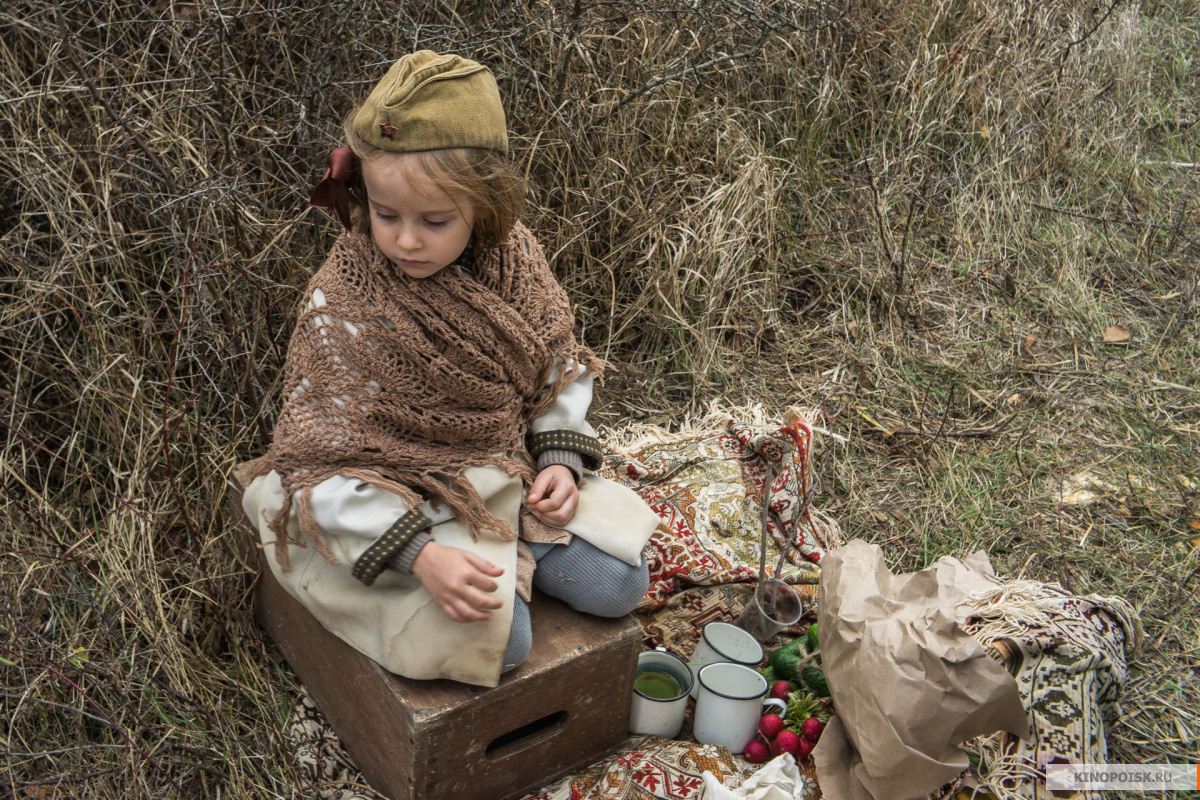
column 927, row 213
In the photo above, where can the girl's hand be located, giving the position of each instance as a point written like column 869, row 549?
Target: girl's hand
column 458, row 582
column 554, row 495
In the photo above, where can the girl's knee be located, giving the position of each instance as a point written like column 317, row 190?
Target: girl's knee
column 628, row 592
column 590, row 580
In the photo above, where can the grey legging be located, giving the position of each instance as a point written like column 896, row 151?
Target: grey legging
column 585, row 578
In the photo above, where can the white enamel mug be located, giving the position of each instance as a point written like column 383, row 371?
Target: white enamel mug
column 660, row 716
column 724, row 641
column 730, row 704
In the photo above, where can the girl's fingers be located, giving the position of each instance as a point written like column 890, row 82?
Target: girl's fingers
column 483, row 586
column 559, row 507
column 559, row 492
column 540, row 484
column 567, row 509
column 478, row 599
column 475, row 614
column 558, row 495
column 553, row 480
column 558, row 517
column 484, row 566
column 460, row 609
column 471, row 606
column 463, row 612
column 476, row 591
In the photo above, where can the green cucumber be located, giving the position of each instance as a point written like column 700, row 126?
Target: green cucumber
column 814, row 680
column 785, row 662
column 811, row 638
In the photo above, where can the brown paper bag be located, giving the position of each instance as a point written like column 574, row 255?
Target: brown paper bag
column 908, row 682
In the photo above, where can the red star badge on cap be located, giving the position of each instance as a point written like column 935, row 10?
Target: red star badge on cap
column 386, row 129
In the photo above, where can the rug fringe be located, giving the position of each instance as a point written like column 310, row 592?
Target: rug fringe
column 1008, row 777
column 1010, row 609
column 1007, row 610
column 825, row 527
column 714, row 421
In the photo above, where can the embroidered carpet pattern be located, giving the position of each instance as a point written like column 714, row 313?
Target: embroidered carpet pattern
column 709, row 491
column 1069, row 656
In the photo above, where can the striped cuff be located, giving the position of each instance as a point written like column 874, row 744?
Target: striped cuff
column 588, row 447
column 403, row 561
column 379, row 555
column 567, row 458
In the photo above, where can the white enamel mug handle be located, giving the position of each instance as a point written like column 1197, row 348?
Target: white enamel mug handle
column 771, row 701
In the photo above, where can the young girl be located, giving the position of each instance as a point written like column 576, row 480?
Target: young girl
column 430, row 459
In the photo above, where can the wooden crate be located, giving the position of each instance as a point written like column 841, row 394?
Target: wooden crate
column 564, row 707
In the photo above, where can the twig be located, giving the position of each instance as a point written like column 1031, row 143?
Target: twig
column 1062, row 549
column 1070, row 212
column 88, row 699
column 754, row 50
column 760, row 588
column 883, row 237
column 995, row 430
column 1067, row 50
column 100, row 98
column 1179, row 164
column 572, row 43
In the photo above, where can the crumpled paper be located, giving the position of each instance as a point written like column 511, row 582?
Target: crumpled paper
column 908, row 682
column 779, row 779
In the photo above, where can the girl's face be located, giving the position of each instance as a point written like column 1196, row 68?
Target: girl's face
column 416, row 225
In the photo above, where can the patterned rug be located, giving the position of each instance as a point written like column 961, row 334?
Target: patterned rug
column 1068, row 655
column 708, row 485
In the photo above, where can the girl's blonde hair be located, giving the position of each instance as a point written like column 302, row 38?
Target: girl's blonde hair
column 484, row 178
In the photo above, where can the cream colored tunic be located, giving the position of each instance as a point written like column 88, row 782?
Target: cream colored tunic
column 394, row 621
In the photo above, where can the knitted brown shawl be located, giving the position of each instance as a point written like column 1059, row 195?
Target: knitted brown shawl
column 406, row 382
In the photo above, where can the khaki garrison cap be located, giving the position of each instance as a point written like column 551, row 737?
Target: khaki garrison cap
column 433, row 102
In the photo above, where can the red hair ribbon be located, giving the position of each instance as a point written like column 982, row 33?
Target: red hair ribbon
column 330, row 193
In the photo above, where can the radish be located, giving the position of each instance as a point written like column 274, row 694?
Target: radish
column 756, row 752
column 770, row 725
column 806, row 747
column 780, row 689
column 811, row 729
column 789, row 742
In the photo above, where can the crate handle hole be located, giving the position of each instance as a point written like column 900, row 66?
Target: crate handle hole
column 525, row 735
